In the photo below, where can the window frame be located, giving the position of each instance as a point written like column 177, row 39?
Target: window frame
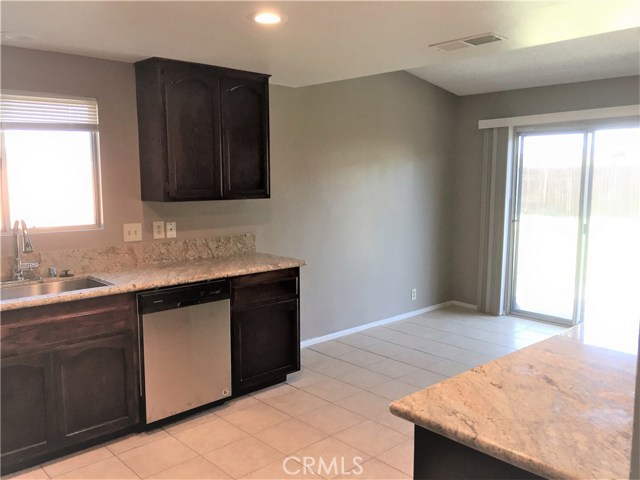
column 5, row 221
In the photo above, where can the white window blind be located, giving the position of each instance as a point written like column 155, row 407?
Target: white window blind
column 49, row 142
column 51, row 113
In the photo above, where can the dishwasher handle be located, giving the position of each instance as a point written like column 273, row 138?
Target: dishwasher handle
column 183, row 296
column 189, row 303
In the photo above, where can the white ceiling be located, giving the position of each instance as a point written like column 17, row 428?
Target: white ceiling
column 608, row 55
column 547, row 42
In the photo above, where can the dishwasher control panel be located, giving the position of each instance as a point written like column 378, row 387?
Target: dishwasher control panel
column 183, row 296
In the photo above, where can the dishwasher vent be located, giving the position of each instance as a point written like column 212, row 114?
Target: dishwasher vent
column 474, row 41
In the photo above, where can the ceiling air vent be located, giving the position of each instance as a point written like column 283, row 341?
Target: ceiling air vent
column 474, row 41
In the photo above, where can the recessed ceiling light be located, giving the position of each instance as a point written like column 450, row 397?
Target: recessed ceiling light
column 268, row 18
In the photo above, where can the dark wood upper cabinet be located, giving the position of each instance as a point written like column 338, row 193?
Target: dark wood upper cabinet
column 245, row 138
column 203, row 131
column 192, row 105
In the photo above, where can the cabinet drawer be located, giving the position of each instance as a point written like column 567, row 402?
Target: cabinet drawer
column 34, row 328
column 264, row 287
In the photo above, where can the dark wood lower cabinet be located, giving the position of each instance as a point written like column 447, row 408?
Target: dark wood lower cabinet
column 27, row 400
column 266, row 341
column 94, row 383
column 70, row 371
column 265, row 329
column 69, row 378
column 438, row 457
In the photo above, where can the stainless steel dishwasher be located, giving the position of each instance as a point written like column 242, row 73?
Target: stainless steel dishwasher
column 185, row 347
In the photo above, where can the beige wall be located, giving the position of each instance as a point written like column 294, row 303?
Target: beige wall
column 466, row 183
column 375, row 181
column 360, row 184
column 360, row 191
column 112, row 84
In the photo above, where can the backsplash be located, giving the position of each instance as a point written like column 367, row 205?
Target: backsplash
column 130, row 255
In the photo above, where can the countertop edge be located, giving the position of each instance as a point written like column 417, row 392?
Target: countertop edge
column 262, row 263
column 524, row 410
column 517, row 459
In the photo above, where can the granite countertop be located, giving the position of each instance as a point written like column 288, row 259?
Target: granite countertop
column 561, row 408
column 154, row 276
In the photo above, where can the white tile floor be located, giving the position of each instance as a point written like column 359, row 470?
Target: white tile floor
column 336, row 407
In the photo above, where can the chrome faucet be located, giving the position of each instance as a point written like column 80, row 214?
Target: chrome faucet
column 20, row 230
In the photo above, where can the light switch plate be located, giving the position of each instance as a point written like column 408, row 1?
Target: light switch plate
column 171, row 229
column 132, row 232
column 158, row 230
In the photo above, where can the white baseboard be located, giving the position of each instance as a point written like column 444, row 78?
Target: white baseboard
column 378, row 323
column 470, row 306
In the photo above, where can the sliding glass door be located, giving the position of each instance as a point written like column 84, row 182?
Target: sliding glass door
column 547, row 224
column 612, row 274
column 576, row 224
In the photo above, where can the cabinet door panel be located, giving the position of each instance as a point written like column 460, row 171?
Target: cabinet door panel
column 266, row 343
column 245, row 138
column 96, row 383
column 192, row 112
column 27, row 406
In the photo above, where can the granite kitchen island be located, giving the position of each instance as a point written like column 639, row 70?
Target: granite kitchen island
column 561, row 408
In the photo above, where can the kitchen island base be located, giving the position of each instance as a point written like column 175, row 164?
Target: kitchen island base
column 560, row 408
column 438, row 457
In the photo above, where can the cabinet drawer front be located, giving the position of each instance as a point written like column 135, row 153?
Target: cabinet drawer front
column 39, row 327
column 264, row 287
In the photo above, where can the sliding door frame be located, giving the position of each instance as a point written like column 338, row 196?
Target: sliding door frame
column 587, row 129
column 498, row 165
column 514, row 223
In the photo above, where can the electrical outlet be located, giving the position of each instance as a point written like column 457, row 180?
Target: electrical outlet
column 158, row 230
column 132, row 232
column 414, row 294
column 171, row 230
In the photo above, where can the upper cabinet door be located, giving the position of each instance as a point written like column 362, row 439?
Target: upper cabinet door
column 203, row 131
column 245, row 138
column 192, row 112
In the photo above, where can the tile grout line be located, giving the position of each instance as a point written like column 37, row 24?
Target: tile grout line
column 397, row 360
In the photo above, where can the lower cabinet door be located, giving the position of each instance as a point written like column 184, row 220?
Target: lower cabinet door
column 265, row 344
column 28, row 417
column 96, row 388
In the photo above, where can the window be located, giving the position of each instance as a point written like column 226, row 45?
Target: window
column 50, row 175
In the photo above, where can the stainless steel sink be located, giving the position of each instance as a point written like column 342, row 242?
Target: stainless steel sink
column 11, row 292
